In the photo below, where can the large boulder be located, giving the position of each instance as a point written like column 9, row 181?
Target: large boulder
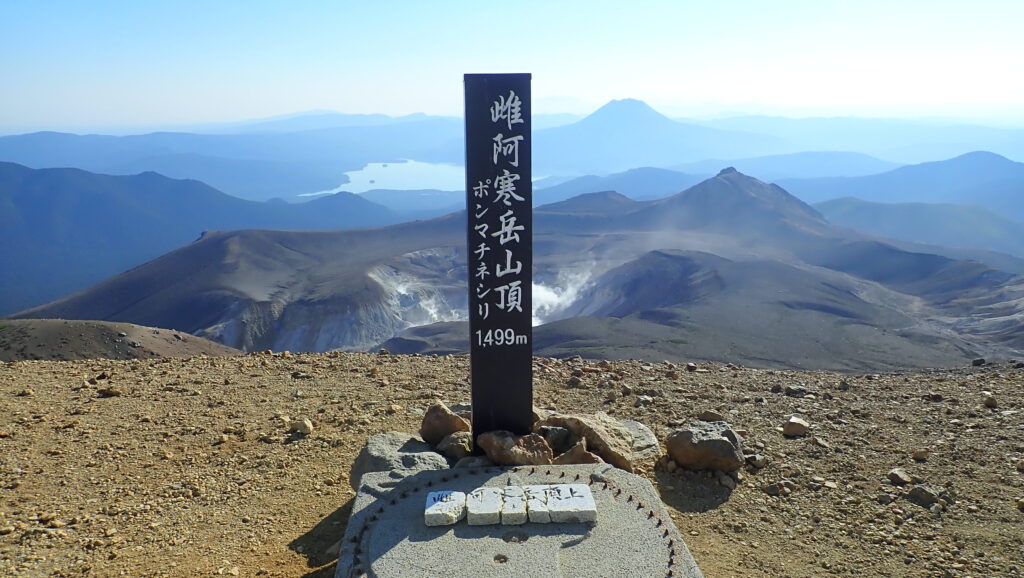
column 706, row 445
column 606, row 436
column 508, row 449
column 439, row 421
column 395, row 451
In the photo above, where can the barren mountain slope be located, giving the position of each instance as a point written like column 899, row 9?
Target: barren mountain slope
column 782, row 271
column 66, row 340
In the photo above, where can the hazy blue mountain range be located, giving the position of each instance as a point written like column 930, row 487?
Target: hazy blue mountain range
column 641, row 183
column 425, row 203
column 252, row 166
column 645, row 183
column 318, row 119
column 313, row 120
column 730, row 269
column 896, row 140
column 305, row 153
column 978, row 178
column 935, row 224
column 64, row 229
column 803, row 165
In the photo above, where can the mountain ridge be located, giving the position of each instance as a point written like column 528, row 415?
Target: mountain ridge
column 91, row 226
column 760, row 263
column 978, row 178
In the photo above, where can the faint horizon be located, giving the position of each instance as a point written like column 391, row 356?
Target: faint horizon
column 115, row 66
column 1011, row 118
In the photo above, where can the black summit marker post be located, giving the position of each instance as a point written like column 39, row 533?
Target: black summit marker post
column 499, row 203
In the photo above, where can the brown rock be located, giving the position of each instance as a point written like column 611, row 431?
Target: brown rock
column 899, row 477
column 438, row 422
column 301, row 426
column 795, row 426
column 559, row 439
column 540, row 414
column 456, row 446
column 507, row 449
column 710, row 415
column 925, row 495
column 706, row 446
column 726, row 480
column 605, row 436
column 577, row 454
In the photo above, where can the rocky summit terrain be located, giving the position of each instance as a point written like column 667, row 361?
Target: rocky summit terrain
column 204, row 466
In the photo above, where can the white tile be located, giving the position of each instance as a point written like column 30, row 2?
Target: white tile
column 571, row 503
column 444, row 508
column 483, row 506
column 537, row 504
column 513, row 507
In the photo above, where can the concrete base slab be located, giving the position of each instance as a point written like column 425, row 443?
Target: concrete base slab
column 633, row 536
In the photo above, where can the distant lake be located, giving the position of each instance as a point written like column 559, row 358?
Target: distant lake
column 404, row 175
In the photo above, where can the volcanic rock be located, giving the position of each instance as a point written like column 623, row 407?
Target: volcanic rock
column 395, row 451
column 301, row 426
column 710, row 415
column 439, row 421
column 457, row 445
column 899, row 477
column 925, row 495
column 645, row 444
column 795, row 427
column 605, row 436
column 560, row 439
column 508, row 449
column 757, row 460
column 577, row 454
column 706, row 446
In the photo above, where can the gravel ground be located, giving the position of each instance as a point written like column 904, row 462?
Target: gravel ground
column 186, row 467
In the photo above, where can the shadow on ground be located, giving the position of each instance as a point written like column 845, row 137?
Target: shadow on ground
column 691, row 491
column 320, row 545
column 325, row 572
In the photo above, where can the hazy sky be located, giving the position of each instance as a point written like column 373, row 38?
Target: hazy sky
column 68, row 64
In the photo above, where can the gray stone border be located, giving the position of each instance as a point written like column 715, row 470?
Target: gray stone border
column 633, row 536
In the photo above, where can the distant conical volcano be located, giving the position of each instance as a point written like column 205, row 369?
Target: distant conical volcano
column 631, row 110
column 628, row 133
